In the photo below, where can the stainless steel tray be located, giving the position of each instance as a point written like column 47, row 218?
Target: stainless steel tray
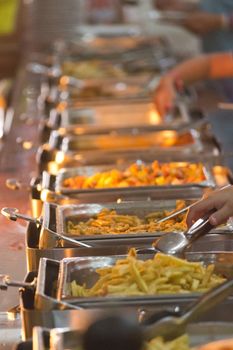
column 158, row 141
column 91, row 170
column 199, row 334
column 53, row 318
column 84, row 212
column 217, row 241
column 118, row 116
column 83, row 271
column 111, row 89
column 56, row 218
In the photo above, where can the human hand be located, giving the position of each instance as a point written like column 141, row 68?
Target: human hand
column 166, row 5
column 220, row 200
column 165, row 95
column 201, row 23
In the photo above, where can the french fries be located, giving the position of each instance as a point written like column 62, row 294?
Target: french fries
column 155, row 174
column 163, row 274
column 181, row 343
column 109, row 222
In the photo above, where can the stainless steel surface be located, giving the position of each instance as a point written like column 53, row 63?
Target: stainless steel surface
column 83, row 212
column 135, row 140
column 13, row 214
column 214, row 242
column 10, row 331
column 134, row 115
column 199, row 334
column 14, row 160
column 177, row 242
column 83, row 270
column 171, row 327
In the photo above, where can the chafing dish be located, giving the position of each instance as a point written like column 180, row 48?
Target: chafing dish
column 50, row 317
column 66, row 338
column 83, row 269
column 199, row 333
column 116, row 116
column 69, row 147
column 83, row 212
column 167, row 140
column 88, row 171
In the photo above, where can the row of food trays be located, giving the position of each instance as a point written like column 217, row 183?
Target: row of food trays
column 108, row 169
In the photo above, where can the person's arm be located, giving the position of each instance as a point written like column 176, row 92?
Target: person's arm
column 201, row 23
column 221, row 201
column 199, row 68
column 175, row 5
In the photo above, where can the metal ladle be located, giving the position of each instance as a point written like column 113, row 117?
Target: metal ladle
column 13, row 214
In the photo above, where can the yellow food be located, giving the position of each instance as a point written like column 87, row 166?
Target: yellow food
column 92, row 70
column 109, row 222
column 163, row 274
column 181, row 343
column 155, row 174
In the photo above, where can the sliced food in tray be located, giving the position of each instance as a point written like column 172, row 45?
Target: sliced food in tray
column 135, row 175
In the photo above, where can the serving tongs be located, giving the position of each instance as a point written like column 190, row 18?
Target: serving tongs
column 175, row 213
column 13, row 215
column 175, row 243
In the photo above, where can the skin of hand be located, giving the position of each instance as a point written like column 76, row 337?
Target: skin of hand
column 215, row 66
column 201, row 23
column 174, row 5
column 221, row 200
column 165, row 95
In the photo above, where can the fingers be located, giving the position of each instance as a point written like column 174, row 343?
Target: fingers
column 199, row 209
column 220, row 200
column 221, row 216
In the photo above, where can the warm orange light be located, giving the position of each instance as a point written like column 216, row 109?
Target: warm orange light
column 64, row 80
column 61, row 106
column 169, row 138
column 154, row 117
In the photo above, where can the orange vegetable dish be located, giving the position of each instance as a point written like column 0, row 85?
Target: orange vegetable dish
column 155, row 174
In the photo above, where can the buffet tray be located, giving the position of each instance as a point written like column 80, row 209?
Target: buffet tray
column 84, row 212
column 167, row 140
column 47, row 315
column 83, row 269
column 55, row 218
column 199, row 333
column 120, row 116
column 219, row 240
column 91, row 170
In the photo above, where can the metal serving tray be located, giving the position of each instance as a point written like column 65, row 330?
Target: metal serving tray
column 219, row 240
column 199, row 334
column 158, row 141
column 52, row 318
column 83, row 271
column 91, row 170
column 84, row 212
column 117, row 116
column 107, row 89
column 56, row 218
